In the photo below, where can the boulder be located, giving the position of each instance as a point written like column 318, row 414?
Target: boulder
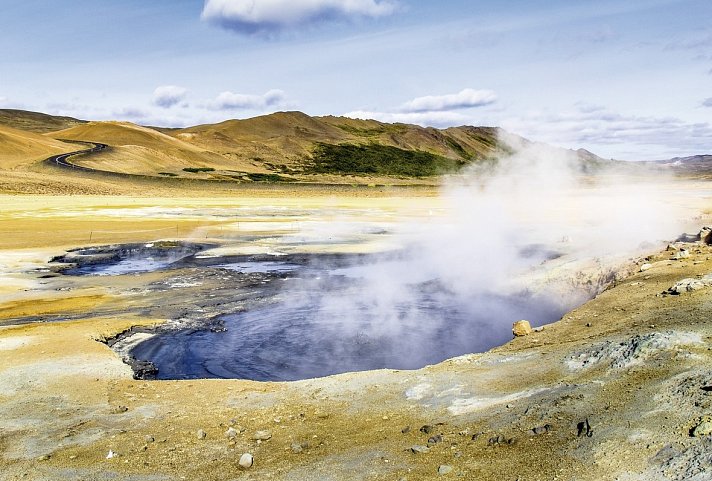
column 521, row 328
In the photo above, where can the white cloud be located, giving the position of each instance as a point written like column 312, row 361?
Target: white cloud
column 465, row 99
column 167, row 96
column 425, row 119
column 608, row 133
column 432, row 110
column 129, row 113
column 232, row 101
column 707, row 102
column 266, row 16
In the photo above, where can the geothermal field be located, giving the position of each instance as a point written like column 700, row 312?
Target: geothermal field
column 355, row 240
column 333, row 330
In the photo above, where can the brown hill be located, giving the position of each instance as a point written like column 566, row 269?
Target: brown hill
column 296, row 144
column 138, row 150
column 36, row 121
column 21, row 148
column 283, row 146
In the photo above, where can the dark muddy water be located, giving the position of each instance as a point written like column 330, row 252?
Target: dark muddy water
column 317, row 315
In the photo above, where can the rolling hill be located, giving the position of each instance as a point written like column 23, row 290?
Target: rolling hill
column 283, row 146
column 20, row 148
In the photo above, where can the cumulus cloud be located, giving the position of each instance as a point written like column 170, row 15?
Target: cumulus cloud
column 705, row 103
column 166, row 96
column 465, row 99
column 424, row 119
column 232, row 101
column 269, row 16
column 432, row 110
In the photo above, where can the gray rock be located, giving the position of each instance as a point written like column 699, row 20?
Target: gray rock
column 202, row 434
column 297, row 448
column 681, row 254
column 148, row 439
column 540, row 429
column 444, row 469
column 417, row 449
column 427, row 429
column 262, row 435
column 231, row 433
column 688, row 285
column 435, row 439
column 246, row 460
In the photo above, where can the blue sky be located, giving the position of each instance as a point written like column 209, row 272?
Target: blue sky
column 630, row 80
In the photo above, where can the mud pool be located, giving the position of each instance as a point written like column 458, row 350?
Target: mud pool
column 297, row 316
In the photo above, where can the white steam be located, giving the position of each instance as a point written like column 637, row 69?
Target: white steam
column 529, row 238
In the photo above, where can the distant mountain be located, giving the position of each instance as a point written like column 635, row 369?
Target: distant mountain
column 35, row 122
column 694, row 159
column 692, row 165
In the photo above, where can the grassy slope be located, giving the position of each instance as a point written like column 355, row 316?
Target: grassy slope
column 35, row 121
column 295, row 143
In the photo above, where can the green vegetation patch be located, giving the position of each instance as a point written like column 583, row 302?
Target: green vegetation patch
column 267, row 178
column 374, row 159
column 195, row 170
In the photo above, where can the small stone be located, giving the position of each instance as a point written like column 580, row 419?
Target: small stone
column 584, row 429
column 417, row 449
column 119, row 410
column 681, row 254
column 427, row 429
column 112, row 455
column 246, row 460
column 148, row 439
column 540, row 429
column 405, row 430
column 231, row 432
column 588, row 324
column 201, row 434
column 262, row 436
column 496, row 440
column 46, row 457
column 705, row 235
column 645, row 267
column 435, row 439
column 297, row 448
column 444, row 469
column 521, row 328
